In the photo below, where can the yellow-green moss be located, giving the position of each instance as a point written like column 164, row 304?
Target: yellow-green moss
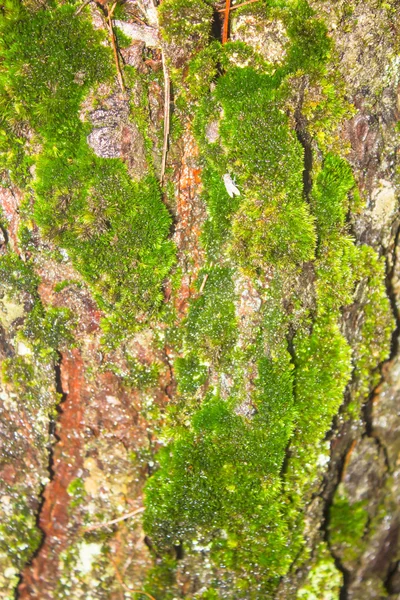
column 116, row 231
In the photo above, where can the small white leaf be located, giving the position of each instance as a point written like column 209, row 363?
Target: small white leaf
column 230, row 186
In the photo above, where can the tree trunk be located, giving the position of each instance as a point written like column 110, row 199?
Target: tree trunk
column 199, row 300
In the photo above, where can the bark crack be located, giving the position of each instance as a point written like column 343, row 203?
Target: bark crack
column 53, row 440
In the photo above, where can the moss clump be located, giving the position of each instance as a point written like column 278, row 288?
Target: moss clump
column 244, row 512
column 211, row 324
column 219, row 480
column 49, row 59
column 347, row 525
column 19, row 536
column 16, row 275
column 311, row 46
column 373, row 345
column 272, row 223
column 114, row 230
column 190, row 373
column 186, row 22
column 76, row 490
column 323, row 358
column 208, row 476
column 324, row 580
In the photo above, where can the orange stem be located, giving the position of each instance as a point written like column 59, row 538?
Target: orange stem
column 226, row 22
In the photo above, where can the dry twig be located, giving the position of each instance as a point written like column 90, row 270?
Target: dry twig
column 81, row 7
column 114, row 46
column 167, row 109
column 113, row 521
column 203, row 283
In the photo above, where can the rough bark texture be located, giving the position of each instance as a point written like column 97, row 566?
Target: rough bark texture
column 200, row 390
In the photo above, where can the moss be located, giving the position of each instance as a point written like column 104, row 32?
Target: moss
column 41, row 98
column 114, row 230
column 218, row 484
column 243, row 509
column 329, row 196
column 311, row 45
column 162, row 580
column 347, row 525
column 210, row 473
column 211, row 324
column 272, row 223
column 48, row 329
column 66, row 283
column 190, row 373
column 373, row 345
column 17, row 275
column 323, row 368
column 123, row 40
column 324, row 580
column 19, row 537
column 139, row 375
column 76, row 490
column 185, row 22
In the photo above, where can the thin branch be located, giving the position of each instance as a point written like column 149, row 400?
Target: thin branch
column 167, row 111
column 119, row 577
column 203, row 283
column 114, row 45
column 226, row 22
column 221, row 10
column 81, row 7
column 142, row 592
column 113, row 521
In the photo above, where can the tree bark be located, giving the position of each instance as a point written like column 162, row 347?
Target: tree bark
column 199, row 300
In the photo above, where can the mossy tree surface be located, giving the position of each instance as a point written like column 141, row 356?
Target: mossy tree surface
column 260, row 360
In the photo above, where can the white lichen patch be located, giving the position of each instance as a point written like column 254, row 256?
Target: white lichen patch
column 268, row 38
column 10, row 311
column 23, row 349
column 88, row 552
column 384, row 200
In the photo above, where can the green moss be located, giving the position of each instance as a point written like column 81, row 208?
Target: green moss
column 324, row 580
column 19, row 537
column 347, row 525
column 49, row 60
column 329, row 196
column 76, row 490
column 17, row 275
column 211, row 324
column 373, row 345
column 244, row 511
column 123, row 40
column 221, row 471
column 323, row 368
column 190, row 373
column 48, row 329
column 139, row 375
column 114, row 230
column 311, row 45
column 62, row 285
column 185, row 22
column 271, row 223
